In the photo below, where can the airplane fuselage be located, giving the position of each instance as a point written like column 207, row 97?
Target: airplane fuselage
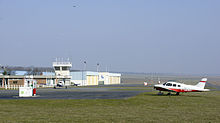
column 178, row 87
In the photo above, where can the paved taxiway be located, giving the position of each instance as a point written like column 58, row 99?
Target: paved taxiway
column 110, row 92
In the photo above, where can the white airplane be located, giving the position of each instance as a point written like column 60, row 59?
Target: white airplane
column 171, row 86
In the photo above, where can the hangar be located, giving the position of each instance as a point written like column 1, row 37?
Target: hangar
column 107, row 78
column 86, row 78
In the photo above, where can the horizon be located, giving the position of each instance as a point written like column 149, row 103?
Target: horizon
column 122, row 72
column 130, row 36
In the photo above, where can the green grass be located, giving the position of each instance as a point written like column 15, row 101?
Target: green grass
column 146, row 107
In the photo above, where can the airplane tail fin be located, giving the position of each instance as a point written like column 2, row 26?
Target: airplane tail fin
column 202, row 83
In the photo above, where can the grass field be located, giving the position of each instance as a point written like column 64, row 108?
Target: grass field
column 146, row 107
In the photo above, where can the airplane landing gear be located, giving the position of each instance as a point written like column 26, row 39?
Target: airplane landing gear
column 177, row 93
column 160, row 93
column 169, row 93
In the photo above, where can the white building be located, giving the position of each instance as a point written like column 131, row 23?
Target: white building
column 86, row 78
column 107, row 78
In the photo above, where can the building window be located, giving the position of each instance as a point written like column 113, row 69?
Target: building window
column 15, row 82
column 64, row 68
column 57, row 68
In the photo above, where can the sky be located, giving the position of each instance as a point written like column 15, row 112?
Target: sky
column 159, row 36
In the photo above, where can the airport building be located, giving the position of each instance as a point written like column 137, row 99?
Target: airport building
column 59, row 73
column 87, row 78
column 107, row 78
column 24, row 80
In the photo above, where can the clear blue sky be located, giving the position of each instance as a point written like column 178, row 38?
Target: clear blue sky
column 168, row 36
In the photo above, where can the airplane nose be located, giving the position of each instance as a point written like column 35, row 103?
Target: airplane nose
column 157, row 86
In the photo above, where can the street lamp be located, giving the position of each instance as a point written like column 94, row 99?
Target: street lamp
column 84, row 65
column 84, row 69
column 97, row 67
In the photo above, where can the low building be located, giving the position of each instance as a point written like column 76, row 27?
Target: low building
column 25, row 80
column 87, row 78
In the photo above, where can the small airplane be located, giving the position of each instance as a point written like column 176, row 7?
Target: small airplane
column 172, row 86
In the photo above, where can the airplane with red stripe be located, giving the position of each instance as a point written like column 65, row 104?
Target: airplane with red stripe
column 172, row 86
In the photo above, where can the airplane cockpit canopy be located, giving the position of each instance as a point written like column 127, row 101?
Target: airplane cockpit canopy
column 171, row 84
column 168, row 84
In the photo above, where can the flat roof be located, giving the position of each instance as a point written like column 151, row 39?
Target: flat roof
column 27, row 76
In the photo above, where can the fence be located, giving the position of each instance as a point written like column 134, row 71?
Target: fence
column 13, row 87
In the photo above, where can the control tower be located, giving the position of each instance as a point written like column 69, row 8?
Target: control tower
column 62, row 70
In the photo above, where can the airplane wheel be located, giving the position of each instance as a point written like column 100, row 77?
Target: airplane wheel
column 160, row 93
column 178, row 93
column 168, row 93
